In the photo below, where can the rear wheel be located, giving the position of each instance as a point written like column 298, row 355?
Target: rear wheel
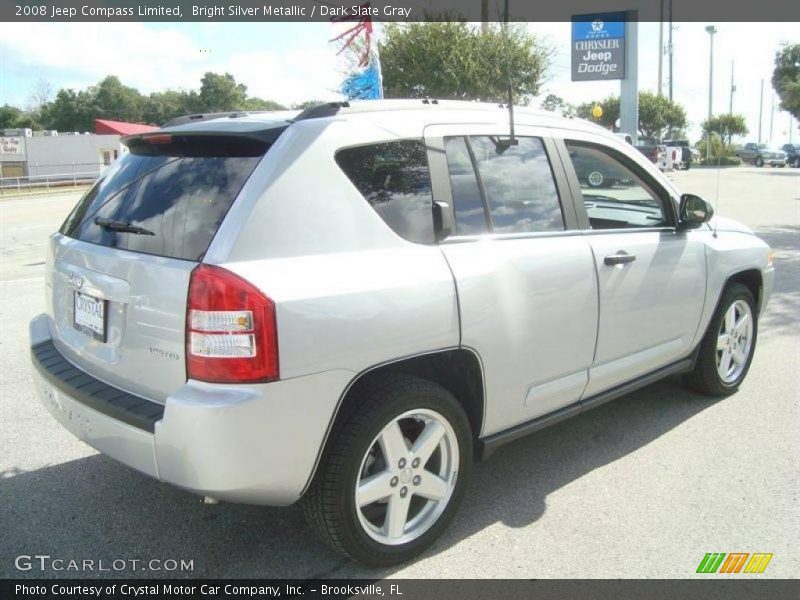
column 394, row 473
column 727, row 349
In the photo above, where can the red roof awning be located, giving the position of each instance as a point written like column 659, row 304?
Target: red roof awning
column 104, row 126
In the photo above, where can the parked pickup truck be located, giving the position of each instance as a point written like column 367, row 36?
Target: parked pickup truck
column 792, row 154
column 761, row 154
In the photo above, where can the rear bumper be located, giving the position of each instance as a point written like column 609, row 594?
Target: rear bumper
column 256, row 444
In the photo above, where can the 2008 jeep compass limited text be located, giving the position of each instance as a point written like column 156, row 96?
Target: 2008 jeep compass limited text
column 349, row 305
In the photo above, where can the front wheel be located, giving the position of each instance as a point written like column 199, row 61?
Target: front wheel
column 759, row 162
column 797, row 162
column 394, row 473
column 726, row 351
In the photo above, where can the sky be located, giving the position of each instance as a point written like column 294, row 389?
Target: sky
column 294, row 62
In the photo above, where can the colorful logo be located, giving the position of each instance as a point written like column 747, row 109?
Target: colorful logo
column 734, row 562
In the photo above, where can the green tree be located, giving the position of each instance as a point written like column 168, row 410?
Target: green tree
column 261, row 104
column 160, row 107
column 9, row 116
column 71, row 111
column 610, row 106
column 29, row 121
column 554, row 103
column 455, row 60
column 726, row 126
column 306, row 104
column 657, row 115
column 113, row 100
column 786, row 78
column 220, row 93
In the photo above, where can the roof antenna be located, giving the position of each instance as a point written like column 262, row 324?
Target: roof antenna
column 511, row 141
column 719, row 171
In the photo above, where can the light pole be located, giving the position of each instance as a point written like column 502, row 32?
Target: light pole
column 711, row 31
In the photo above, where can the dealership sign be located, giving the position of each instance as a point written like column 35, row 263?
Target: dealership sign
column 598, row 46
column 10, row 145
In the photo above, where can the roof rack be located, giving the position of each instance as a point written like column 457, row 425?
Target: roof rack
column 318, row 111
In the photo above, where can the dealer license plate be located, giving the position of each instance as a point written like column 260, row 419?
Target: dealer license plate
column 90, row 316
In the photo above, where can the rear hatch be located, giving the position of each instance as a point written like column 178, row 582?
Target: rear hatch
column 120, row 265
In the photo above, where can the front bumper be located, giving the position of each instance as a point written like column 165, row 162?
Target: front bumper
column 767, row 284
column 257, row 444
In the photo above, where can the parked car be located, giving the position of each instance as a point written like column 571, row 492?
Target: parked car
column 684, row 161
column 331, row 310
column 761, row 154
column 792, row 152
column 656, row 153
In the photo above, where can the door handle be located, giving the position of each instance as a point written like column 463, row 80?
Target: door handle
column 620, row 258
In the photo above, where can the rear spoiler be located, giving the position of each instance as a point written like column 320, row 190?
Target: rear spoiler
column 165, row 136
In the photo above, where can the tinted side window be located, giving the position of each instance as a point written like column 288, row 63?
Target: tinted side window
column 394, row 178
column 467, row 199
column 518, row 185
column 614, row 196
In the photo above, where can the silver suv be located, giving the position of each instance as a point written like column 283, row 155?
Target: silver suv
column 349, row 305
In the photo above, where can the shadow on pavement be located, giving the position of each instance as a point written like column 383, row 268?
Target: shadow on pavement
column 94, row 508
column 784, row 305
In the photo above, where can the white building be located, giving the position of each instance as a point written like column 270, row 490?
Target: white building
column 67, row 155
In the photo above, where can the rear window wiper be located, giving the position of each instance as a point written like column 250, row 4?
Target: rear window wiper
column 121, row 226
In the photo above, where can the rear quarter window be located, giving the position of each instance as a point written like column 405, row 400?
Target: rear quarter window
column 395, row 179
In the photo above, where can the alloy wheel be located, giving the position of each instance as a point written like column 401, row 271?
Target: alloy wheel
column 407, row 477
column 734, row 341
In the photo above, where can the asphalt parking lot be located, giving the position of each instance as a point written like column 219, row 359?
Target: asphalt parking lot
column 641, row 487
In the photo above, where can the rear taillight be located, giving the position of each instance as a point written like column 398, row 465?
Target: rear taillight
column 231, row 332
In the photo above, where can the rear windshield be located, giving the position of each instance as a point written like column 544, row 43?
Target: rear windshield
column 166, row 198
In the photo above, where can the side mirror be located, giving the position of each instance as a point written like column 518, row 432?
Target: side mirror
column 694, row 211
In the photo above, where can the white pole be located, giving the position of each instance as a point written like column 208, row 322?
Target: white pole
column 629, row 87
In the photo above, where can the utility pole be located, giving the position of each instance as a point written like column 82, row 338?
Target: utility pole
column 669, row 45
column 711, row 31
column 733, row 89
column 771, row 115
column 661, row 47
column 484, row 15
column 760, row 109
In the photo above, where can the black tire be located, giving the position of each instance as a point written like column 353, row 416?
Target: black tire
column 330, row 504
column 705, row 378
column 759, row 162
column 797, row 162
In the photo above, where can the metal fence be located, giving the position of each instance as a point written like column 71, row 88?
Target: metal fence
column 39, row 182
